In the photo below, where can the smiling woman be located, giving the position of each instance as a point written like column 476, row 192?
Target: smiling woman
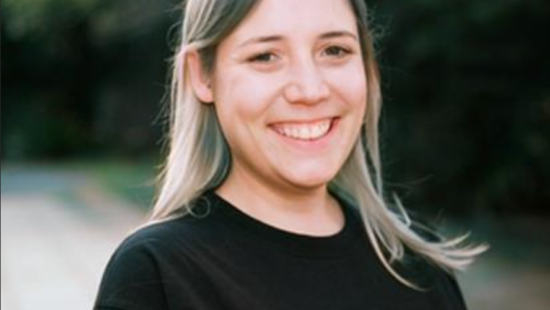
column 267, row 199
column 290, row 98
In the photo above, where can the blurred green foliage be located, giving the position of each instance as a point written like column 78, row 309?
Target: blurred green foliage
column 83, row 77
column 467, row 101
column 466, row 121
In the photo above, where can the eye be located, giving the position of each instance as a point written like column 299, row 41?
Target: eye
column 337, row 51
column 263, row 57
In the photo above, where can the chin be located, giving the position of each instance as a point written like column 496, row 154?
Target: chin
column 311, row 180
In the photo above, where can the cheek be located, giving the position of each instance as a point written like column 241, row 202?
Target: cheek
column 242, row 103
column 242, row 95
column 351, row 85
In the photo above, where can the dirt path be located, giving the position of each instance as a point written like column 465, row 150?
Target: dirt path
column 58, row 231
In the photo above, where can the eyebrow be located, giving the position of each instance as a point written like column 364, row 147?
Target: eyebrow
column 335, row 34
column 274, row 38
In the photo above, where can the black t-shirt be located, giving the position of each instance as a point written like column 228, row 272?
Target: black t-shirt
column 225, row 259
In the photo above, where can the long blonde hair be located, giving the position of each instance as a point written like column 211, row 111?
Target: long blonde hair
column 199, row 158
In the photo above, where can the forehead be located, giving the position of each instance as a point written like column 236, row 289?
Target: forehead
column 296, row 18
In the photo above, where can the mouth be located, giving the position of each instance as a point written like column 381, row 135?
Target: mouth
column 305, row 131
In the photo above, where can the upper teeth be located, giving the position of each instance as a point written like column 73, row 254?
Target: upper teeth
column 304, row 131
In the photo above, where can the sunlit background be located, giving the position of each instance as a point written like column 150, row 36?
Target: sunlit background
column 465, row 136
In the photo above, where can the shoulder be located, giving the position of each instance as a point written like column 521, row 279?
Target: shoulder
column 152, row 241
column 147, row 261
column 181, row 232
column 431, row 279
column 155, row 244
column 132, row 278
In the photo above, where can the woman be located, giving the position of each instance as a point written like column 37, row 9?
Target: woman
column 267, row 200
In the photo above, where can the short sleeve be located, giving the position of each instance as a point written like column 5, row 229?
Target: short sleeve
column 132, row 280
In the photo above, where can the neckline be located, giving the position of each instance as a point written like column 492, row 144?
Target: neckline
column 332, row 246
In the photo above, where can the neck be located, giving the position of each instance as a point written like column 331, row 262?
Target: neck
column 310, row 211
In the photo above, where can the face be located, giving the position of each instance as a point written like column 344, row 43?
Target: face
column 289, row 89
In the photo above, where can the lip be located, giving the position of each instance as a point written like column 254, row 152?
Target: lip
column 309, row 145
column 304, row 122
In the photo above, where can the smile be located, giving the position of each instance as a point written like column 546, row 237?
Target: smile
column 304, row 131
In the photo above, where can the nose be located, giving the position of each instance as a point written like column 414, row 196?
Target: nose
column 306, row 84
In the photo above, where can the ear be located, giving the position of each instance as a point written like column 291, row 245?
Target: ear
column 200, row 82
